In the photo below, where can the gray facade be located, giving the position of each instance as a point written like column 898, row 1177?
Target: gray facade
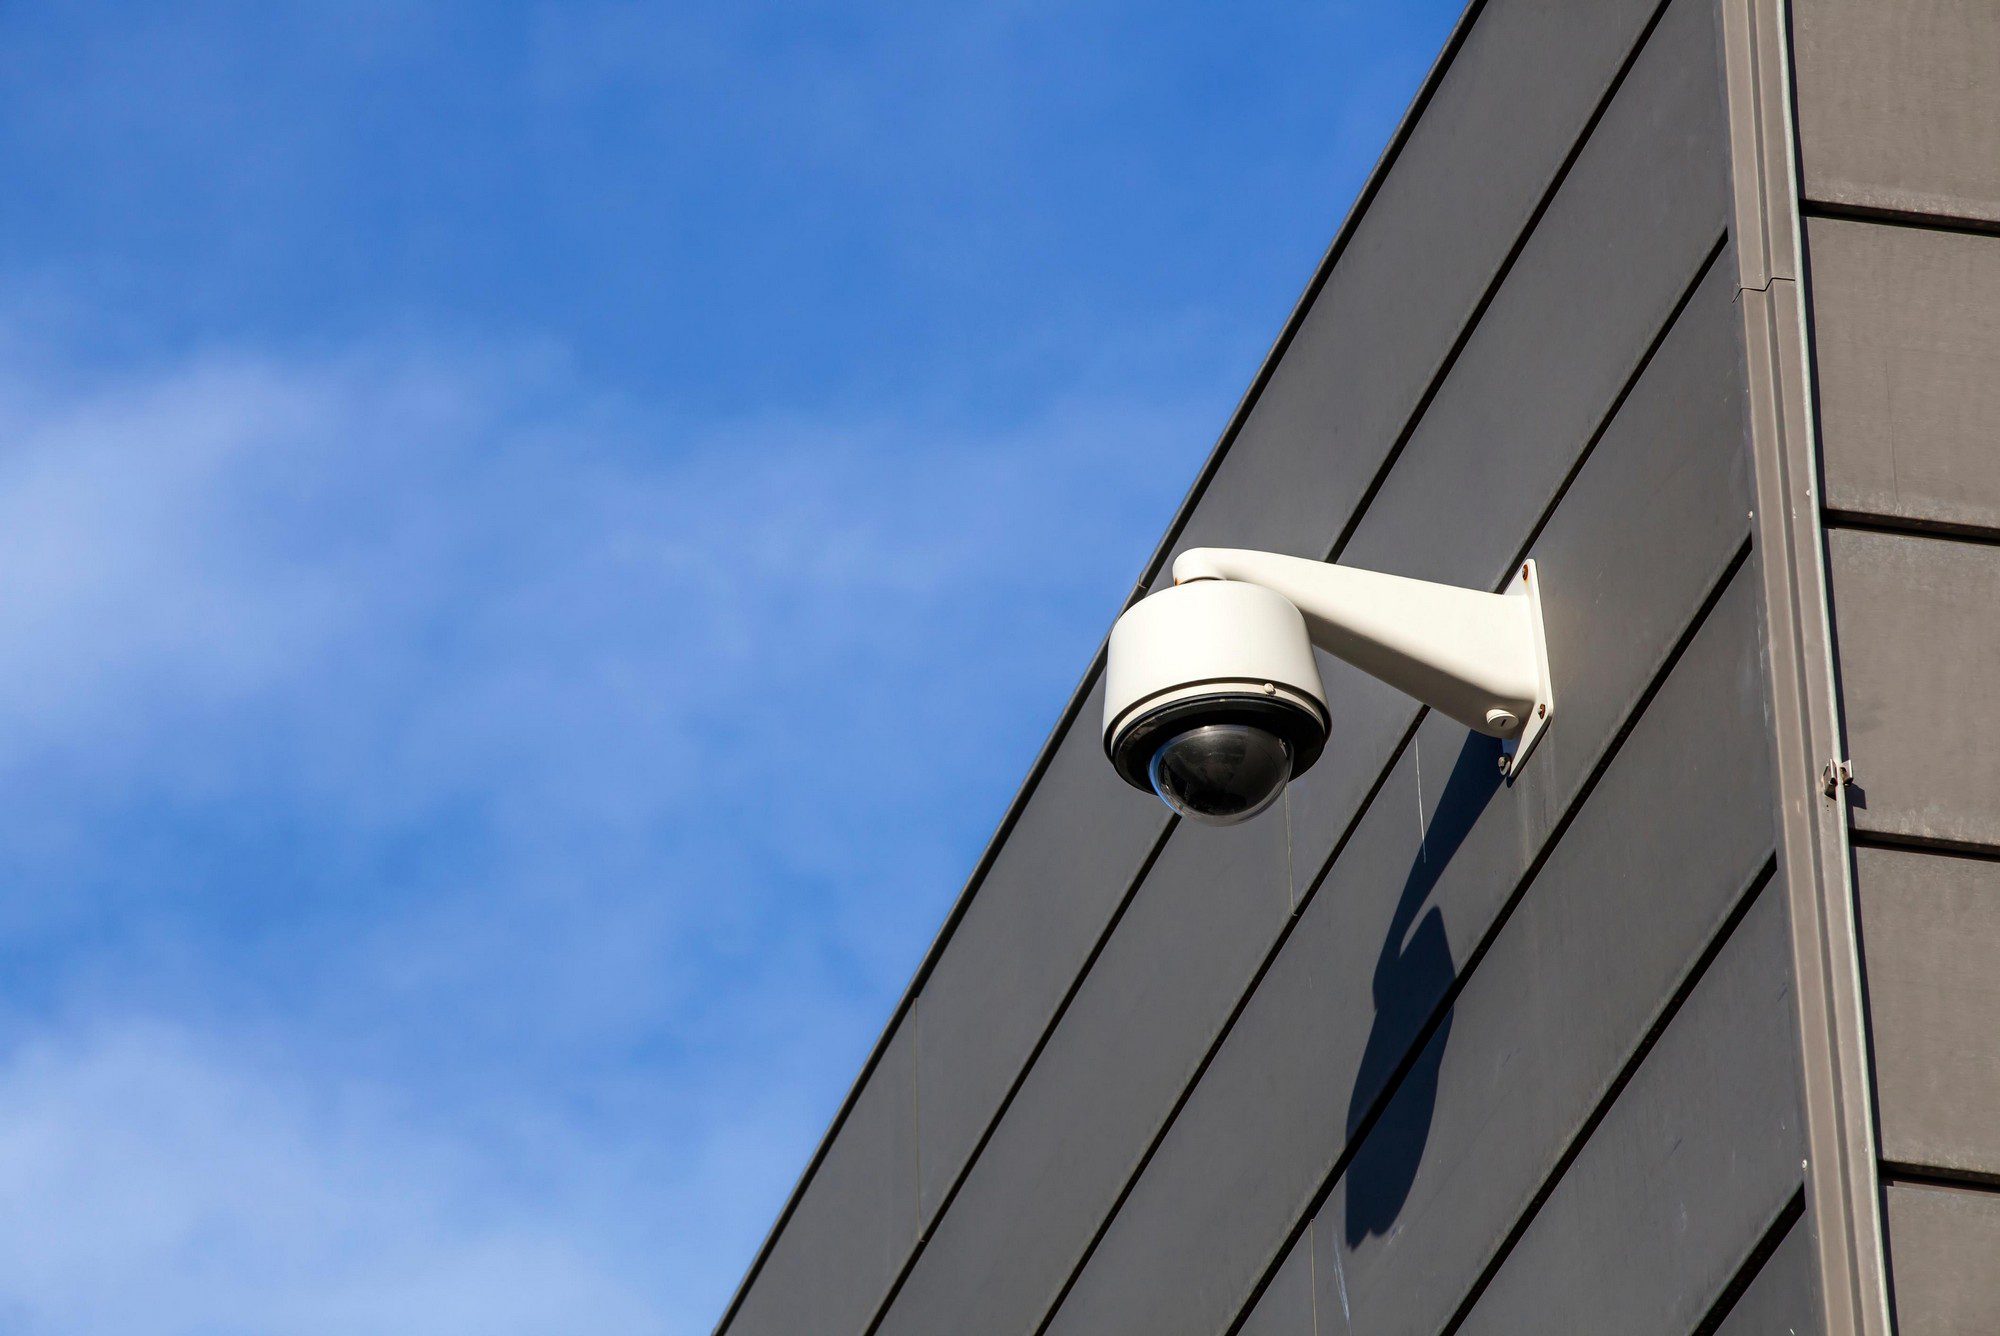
column 1600, row 1050
column 1899, row 145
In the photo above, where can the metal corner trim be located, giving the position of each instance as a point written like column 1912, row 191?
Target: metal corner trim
column 1841, row 1170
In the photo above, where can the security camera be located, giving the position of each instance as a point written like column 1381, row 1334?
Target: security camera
column 1213, row 700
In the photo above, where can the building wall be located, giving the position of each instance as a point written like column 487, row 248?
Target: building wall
column 1422, row 1051
column 1899, row 141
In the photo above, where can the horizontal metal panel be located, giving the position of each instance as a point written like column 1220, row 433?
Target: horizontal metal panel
column 1930, row 932
column 848, row 1235
column 1918, row 641
column 1906, row 334
column 1897, row 104
column 1943, row 1242
column 1689, row 1168
column 1783, row 1297
column 1644, row 532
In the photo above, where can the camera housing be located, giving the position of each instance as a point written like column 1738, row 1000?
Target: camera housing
column 1213, row 699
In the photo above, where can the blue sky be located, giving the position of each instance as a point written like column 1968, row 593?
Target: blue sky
column 536, row 543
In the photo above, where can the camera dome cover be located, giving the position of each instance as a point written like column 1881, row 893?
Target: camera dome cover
column 1220, row 774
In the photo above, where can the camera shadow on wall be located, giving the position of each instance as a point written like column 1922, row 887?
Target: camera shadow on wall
column 1413, row 973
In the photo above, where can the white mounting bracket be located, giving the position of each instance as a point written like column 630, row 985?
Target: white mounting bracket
column 1527, row 583
column 1480, row 658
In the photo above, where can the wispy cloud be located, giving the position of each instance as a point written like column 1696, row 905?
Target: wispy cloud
column 153, row 1185
column 475, row 825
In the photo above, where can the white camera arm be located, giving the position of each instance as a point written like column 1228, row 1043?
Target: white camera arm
column 1480, row 658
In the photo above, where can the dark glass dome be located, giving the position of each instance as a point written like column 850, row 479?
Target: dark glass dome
column 1220, row 774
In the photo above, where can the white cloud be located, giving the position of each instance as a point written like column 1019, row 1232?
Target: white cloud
column 563, row 790
column 151, row 1185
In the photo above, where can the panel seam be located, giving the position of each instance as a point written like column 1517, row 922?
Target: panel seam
column 1864, row 521
column 1917, row 219
column 1775, row 1234
column 1936, row 1176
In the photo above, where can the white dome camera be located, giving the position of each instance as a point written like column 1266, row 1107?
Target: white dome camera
column 1213, row 701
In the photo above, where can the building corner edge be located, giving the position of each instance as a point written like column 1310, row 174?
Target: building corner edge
column 1842, row 1190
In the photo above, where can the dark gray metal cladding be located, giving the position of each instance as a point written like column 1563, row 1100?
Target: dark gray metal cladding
column 1942, row 1242
column 1689, row 1167
column 1288, row 1306
column 1897, row 108
column 1931, row 924
column 1920, row 679
column 1782, row 1299
column 1906, row 321
column 1897, row 105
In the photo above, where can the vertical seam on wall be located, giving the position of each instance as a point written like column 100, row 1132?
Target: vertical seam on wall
column 1840, row 944
column 1840, row 1171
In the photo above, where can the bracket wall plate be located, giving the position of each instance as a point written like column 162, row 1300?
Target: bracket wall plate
column 1527, row 583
